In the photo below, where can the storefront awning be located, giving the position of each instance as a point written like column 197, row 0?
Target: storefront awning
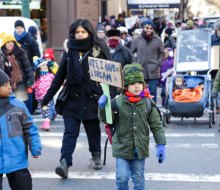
column 153, row 4
column 15, row 4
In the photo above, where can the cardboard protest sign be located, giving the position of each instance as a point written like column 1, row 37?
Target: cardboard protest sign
column 108, row 73
column 130, row 21
column 105, row 71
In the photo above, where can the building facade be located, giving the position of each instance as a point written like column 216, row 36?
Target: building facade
column 61, row 14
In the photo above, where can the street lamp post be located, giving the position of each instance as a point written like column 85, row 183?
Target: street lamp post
column 26, row 8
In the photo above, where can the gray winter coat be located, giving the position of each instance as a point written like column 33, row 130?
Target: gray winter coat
column 150, row 55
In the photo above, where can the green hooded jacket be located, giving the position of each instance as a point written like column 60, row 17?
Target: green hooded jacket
column 133, row 128
column 216, row 85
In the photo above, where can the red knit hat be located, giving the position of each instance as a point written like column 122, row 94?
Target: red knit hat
column 49, row 53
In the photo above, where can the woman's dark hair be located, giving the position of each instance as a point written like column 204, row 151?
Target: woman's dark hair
column 83, row 23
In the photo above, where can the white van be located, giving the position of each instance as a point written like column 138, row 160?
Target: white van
column 7, row 25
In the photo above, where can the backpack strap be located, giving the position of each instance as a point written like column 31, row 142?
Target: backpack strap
column 114, row 105
column 150, row 104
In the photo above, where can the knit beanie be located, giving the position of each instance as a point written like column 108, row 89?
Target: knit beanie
column 132, row 73
column 179, row 76
column 5, row 38
column 32, row 30
column 101, row 28
column 39, row 62
column 113, row 32
column 49, row 53
column 19, row 23
column 149, row 23
column 3, row 77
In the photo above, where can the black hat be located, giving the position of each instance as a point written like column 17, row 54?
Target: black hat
column 3, row 77
column 113, row 32
column 19, row 23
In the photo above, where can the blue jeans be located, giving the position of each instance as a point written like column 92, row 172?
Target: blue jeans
column 153, row 83
column 130, row 168
column 71, row 133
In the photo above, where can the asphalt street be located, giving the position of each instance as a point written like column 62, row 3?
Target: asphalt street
column 192, row 160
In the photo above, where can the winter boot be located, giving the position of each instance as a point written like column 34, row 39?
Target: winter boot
column 62, row 169
column 46, row 125
column 96, row 161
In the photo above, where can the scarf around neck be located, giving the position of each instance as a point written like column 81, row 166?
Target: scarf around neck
column 80, row 45
column 77, row 49
column 148, row 38
column 20, row 37
column 136, row 98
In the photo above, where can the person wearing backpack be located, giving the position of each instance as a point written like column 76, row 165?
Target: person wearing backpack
column 130, row 142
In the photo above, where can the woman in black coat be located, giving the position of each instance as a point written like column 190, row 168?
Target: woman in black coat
column 15, row 63
column 82, row 102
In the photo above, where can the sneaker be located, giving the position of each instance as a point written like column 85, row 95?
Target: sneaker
column 45, row 125
column 96, row 161
column 62, row 169
column 42, row 127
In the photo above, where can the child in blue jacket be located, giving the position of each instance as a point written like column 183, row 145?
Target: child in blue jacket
column 17, row 130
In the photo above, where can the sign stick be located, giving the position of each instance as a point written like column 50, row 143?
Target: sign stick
column 108, row 110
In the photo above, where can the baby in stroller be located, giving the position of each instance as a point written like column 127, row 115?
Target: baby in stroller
column 183, row 93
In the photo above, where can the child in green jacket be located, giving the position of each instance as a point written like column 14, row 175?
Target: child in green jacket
column 130, row 143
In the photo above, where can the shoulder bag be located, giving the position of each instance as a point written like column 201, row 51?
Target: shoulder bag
column 61, row 99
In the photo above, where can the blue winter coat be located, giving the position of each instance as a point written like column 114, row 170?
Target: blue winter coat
column 16, row 129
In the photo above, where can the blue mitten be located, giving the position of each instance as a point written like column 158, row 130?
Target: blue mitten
column 161, row 154
column 102, row 101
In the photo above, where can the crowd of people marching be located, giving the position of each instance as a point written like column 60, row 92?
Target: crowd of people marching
column 29, row 82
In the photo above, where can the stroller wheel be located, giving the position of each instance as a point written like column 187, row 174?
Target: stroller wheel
column 213, row 118
column 168, row 116
column 166, row 119
column 210, row 120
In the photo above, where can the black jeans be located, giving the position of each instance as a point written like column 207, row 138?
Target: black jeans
column 71, row 133
column 18, row 180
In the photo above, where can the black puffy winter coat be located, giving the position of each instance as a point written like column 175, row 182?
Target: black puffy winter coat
column 82, row 101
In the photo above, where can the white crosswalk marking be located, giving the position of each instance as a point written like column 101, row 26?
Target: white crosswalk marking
column 204, row 142
column 203, row 135
column 148, row 176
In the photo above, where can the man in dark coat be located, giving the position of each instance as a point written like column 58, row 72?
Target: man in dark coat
column 119, row 53
column 150, row 54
